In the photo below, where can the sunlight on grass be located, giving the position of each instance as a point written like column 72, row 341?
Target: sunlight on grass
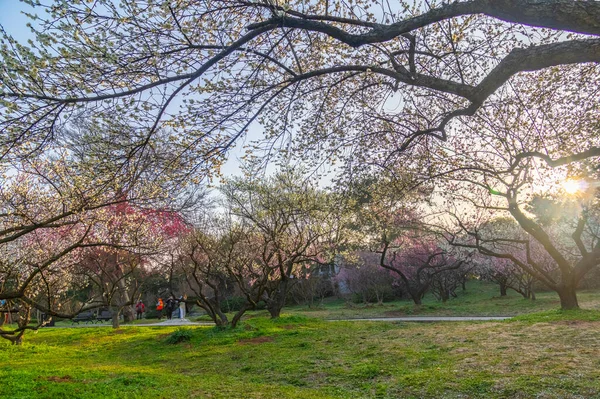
column 296, row 356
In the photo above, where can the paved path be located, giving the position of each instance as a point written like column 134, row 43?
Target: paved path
column 424, row 319
column 173, row 322
column 166, row 323
column 417, row 319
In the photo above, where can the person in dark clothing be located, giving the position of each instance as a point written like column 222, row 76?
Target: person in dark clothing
column 140, row 308
column 170, row 306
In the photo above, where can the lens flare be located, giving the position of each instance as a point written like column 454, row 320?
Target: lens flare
column 574, row 186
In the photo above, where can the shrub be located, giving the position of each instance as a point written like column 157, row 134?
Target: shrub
column 232, row 304
column 179, row 335
column 151, row 314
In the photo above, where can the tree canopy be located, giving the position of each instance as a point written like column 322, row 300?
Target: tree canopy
column 330, row 77
column 483, row 104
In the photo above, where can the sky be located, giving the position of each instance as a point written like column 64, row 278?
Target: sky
column 12, row 18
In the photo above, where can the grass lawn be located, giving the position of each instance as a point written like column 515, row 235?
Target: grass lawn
column 480, row 299
column 548, row 354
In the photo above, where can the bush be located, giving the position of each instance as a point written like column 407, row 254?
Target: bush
column 366, row 281
column 151, row 314
column 179, row 335
column 232, row 304
column 371, row 297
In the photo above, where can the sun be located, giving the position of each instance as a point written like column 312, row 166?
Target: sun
column 574, row 186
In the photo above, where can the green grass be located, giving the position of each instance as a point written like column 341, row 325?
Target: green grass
column 544, row 352
column 480, row 299
column 558, row 315
column 298, row 357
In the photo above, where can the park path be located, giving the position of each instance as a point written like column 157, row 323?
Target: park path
column 415, row 319
column 425, row 319
column 166, row 323
column 174, row 322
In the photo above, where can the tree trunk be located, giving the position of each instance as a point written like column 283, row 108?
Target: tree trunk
column 219, row 318
column 445, row 296
column 416, row 298
column 275, row 304
column 213, row 309
column 23, row 321
column 223, row 320
column 379, row 296
column 18, row 338
column 128, row 314
column 568, row 297
column 275, row 309
column 530, row 292
column 524, row 294
column 503, row 289
column 115, row 318
column 239, row 314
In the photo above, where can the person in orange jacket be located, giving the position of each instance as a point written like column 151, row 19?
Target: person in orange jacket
column 159, row 308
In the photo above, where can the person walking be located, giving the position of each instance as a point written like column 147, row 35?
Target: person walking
column 159, row 308
column 140, row 308
column 170, row 307
column 182, row 306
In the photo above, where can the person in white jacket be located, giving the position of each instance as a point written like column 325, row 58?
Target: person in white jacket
column 182, row 306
